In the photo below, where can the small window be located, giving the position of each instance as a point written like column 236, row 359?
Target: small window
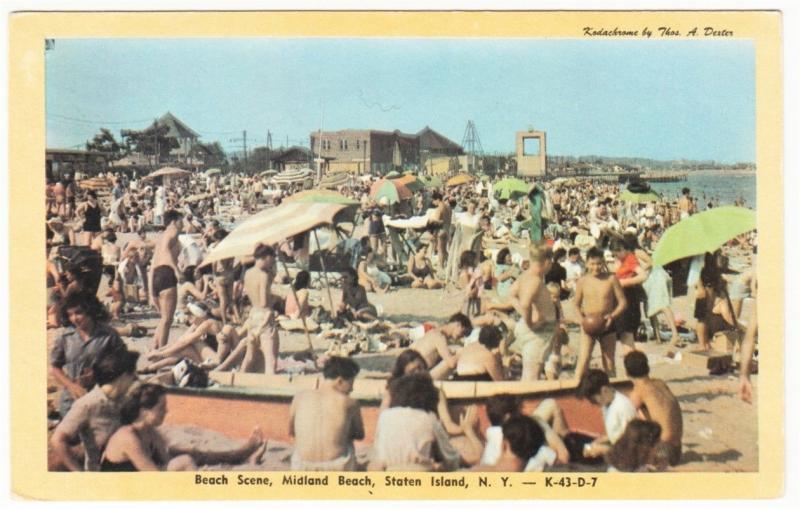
column 344, row 144
column 358, row 144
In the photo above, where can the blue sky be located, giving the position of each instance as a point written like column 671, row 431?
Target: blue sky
column 658, row 99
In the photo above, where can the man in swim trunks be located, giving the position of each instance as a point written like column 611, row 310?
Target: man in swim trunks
column 533, row 334
column 164, row 275
column 325, row 421
column 261, row 325
column 433, row 346
column 598, row 293
column 686, row 203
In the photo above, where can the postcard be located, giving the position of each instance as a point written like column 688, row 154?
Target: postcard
column 396, row 255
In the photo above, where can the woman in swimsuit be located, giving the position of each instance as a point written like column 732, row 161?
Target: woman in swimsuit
column 480, row 361
column 354, row 304
column 419, row 268
column 138, row 445
column 713, row 309
column 370, row 276
column 91, row 215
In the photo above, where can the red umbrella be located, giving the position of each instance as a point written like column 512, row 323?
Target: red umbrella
column 390, row 189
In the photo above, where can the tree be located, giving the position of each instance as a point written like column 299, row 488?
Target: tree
column 105, row 142
column 151, row 141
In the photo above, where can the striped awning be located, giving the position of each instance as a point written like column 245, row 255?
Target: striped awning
column 293, row 176
column 273, row 225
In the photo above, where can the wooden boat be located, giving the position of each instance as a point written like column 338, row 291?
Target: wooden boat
column 241, row 401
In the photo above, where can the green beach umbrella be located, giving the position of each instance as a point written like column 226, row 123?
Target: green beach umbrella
column 511, row 187
column 703, row 233
column 639, row 197
column 394, row 175
column 389, row 189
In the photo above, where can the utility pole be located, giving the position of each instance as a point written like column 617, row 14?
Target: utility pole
column 269, row 150
column 243, row 139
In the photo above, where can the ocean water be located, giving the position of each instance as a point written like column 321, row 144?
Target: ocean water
column 705, row 186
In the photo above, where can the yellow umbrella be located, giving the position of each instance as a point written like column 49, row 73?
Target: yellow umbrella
column 460, row 179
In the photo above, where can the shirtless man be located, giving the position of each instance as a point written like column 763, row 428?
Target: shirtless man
column 598, row 293
column 656, row 403
column 325, row 421
column 164, row 275
column 480, row 361
column 262, row 336
column 433, row 346
column 533, row 334
column 685, row 203
column 443, row 216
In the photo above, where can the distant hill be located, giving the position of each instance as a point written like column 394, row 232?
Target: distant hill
column 642, row 162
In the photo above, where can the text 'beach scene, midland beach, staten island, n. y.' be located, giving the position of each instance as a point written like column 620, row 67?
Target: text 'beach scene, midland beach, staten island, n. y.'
column 400, row 255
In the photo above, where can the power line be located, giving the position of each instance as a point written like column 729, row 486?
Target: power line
column 86, row 120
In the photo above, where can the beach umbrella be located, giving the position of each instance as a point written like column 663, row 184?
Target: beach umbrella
column 274, row 225
column 389, row 189
column 411, row 182
column 268, row 173
column 510, row 188
column 334, row 180
column 321, row 196
column 169, row 171
column 431, row 182
column 294, row 176
column 703, row 233
column 629, row 196
column 213, row 171
column 460, row 179
column 394, row 175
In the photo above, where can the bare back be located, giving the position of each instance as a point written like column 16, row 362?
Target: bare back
column 431, row 346
column 661, row 406
column 324, row 423
column 167, row 250
column 257, row 287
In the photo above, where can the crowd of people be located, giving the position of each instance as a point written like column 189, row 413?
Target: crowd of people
column 517, row 264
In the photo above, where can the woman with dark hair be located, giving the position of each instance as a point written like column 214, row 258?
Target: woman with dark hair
column 410, row 437
column 411, row 362
column 88, row 338
column 712, row 309
column 92, row 213
column 370, row 276
column 138, row 446
column 631, row 276
column 298, row 307
column 637, row 449
column 421, row 271
column 354, row 304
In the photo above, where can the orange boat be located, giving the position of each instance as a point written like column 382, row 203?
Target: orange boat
column 241, row 401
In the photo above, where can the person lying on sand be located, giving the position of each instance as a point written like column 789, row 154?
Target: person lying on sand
column 435, row 349
column 325, row 421
column 480, row 361
column 139, row 446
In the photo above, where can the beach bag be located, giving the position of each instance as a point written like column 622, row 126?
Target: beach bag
column 189, row 374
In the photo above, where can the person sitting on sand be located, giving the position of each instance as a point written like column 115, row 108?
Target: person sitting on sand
column 354, row 304
column 434, row 347
column 598, row 295
column 506, row 272
column 407, row 363
column 657, row 403
column 618, row 410
column 410, row 437
column 74, row 351
column 94, row 417
column 637, row 450
column 325, row 421
column 370, row 276
column 421, row 271
column 480, row 361
column 522, row 439
column 297, row 305
column 712, row 309
column 138, row 445
column 203, row 343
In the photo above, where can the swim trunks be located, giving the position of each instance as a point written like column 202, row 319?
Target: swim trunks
column 346, row 463
column 534, row 346
column 163, row 279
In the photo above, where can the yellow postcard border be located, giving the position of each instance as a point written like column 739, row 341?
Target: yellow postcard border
column 30, row 478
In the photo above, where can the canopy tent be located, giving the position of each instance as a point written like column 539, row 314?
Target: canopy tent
column 703, row 233
column 389, row 189
column 274, row 225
